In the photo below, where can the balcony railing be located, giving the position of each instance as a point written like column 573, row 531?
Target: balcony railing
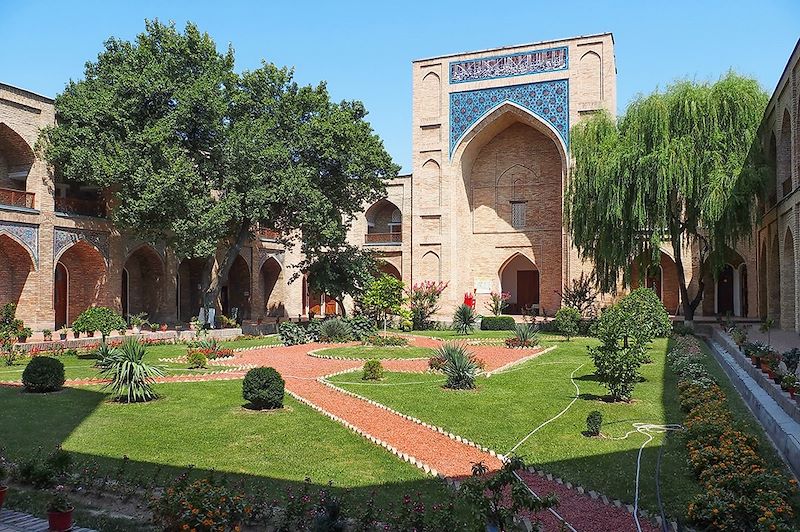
column 16, row 198
column 269, row 234
column 82, row 207
column 383, row 238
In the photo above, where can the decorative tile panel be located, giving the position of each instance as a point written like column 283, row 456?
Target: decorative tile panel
column 549, row 100
column 63, row 238
column 503, row 66
column 25, row 234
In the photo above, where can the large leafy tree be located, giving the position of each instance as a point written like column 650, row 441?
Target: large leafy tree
column 197, row 155
column 682, row 166
column 341, row 270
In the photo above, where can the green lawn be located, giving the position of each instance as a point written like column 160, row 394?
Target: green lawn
column 204, row 424
column 367, row 352
column 507, row 407
column 83, row 368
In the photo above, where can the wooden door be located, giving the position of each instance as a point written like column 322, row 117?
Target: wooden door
column 527, row 288
column 725, row 290
column 60, row 296
column 330, row 306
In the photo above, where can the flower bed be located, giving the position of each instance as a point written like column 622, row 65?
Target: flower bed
column 740, row 493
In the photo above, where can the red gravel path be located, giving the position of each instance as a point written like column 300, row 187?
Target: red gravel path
column 441, row 453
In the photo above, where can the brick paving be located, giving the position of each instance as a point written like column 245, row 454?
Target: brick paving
column 419, row 444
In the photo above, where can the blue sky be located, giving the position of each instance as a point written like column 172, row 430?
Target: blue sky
column 364, row 49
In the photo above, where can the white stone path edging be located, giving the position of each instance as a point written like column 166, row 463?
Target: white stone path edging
column 317, row 353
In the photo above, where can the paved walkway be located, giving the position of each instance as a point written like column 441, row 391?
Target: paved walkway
column 447, row 455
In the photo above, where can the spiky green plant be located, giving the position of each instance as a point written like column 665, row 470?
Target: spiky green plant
column 104, row 354
column 335, row 330
column 459, row 366
column 131, row 377
column 526, row 334
column 464, row 319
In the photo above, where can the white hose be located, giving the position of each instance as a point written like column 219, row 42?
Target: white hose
column 534, row 431
column 649, row 430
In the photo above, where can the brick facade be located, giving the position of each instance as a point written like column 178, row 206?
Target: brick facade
column 482, row 208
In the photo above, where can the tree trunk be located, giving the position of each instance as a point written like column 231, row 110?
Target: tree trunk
column 212, row 284
column 689, row 305
column 340, row 304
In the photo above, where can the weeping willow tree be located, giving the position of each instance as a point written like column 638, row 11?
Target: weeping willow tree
column 682, row 166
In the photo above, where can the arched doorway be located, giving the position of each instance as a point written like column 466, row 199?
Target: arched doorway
column 774, row 281
column 725, row 286
column 235, row 293
column 519, row 276
column 762, row 281
column 512, row 165
column 80, row 281
column 141, row 283
column 16, row 159
column 15, row 267
column 272, row 290
column 389, row 269
column 190, row 279
column 788, row 303
column 384, row 224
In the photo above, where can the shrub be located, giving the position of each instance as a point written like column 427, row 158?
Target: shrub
column 211, row 348
column 594, row 422
column 291, row 333
column 436, row 362
column 362, row 327
column 101, row 319
column 459, row 366
column 567, row 321
column 498, row 323
column 263, row 388
column 131, row 377
column 580, row 294
column 335, row 330
column 387, row 341
column 525, row 336
column 312, row 330
column 497, row 302
column 198, row 505
column 617, row 368
column 648, row 314
column 196, row 360
column 373, row 370
column 43, row 374
column 423, row 298
column 682, row 329
column 464, row 319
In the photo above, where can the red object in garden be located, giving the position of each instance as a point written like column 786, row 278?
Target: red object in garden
column 469, row 300
column 60, row 521
column 3, row 490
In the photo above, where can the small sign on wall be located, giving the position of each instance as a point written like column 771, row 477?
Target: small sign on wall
column 484, row 286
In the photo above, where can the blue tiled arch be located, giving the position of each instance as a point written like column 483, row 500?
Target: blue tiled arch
column 549, row 100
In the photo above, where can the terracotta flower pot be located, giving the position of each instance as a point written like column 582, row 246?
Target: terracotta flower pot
column 60, row 521
column 3, row 490
column 163, row 328
column 90, row 334
column 76, row 334
column 791, row 391
column 62, row 336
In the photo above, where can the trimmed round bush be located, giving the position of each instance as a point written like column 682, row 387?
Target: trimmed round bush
column 373, row 370
column 568, row 321
column 497, row 323
column 594, row 421
column 263, row 388
column 43, row 374
column 196, row 360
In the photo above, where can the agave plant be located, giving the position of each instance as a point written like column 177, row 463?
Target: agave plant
column 104, row 355
column 131, row 377
column 524, row 336
column 459, row 366
column 335, row 330
column 464, row 319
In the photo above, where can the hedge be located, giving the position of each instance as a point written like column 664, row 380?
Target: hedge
column 498, row 323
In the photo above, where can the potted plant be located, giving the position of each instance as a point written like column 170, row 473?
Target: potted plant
column 137, row 321
column 48, row 335
column 75, row 334
column 62, row 333
column 3, row 486
column 789, row 384
column 163, row 327
column 23, row 334
column 59, row 511
column 194, row 324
